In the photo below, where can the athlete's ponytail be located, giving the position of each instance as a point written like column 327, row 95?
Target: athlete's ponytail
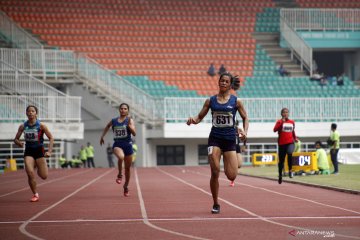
column 235, row 82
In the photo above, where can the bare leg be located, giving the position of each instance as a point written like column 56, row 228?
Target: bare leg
column 128, row 161
column 239, row 159
column 230, row 165
column 214, row 159
column 42, row 169
column 30, row 171
column 119, row 153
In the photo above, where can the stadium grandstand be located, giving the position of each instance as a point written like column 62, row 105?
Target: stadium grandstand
column 78, row 60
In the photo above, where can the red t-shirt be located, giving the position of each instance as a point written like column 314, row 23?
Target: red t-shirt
column 286, row 131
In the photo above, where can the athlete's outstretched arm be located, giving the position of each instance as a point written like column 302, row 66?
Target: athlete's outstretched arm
column 131, row 127
column 106, row 129
column 245, row 119
column 18, row 135
column 50, row 137
column 201, row 115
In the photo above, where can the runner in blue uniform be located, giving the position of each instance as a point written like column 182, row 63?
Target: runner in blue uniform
column 34, row 154
column 222, row 138
column 123, row 127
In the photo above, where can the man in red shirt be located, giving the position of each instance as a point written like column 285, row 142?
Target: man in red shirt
column 286, row 130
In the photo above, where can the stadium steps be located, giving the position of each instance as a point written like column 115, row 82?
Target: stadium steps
column 269, row 42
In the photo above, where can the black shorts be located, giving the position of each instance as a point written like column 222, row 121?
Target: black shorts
column 238, row 148
column 224, row 144
column 36, row 152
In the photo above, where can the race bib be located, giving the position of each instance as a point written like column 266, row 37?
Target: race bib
column 31, row 135
column 222, row 119
column 120, row 132
column 287, row 127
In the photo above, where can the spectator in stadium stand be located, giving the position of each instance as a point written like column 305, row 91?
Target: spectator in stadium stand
column 286, row 138
column 321, row 156
column 282, row 71
column 317, row 76
column 222, row 69
column 222, row 138
column 211, row 71
column 340, row 80
column 323, row 81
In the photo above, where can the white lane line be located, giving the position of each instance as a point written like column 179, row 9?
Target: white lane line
column 245, row 210
column 44, row 183
column 22, row 227
column 284, row 194
column 147, row 221
column 195, row 219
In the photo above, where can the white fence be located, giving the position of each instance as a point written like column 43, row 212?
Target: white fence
column 145, row 106
column 55, row 64
column 292, row 20
column 40, row 63
column 297, row 45
column 268, row 109
column 8, row 150
column 51, row 108
column 17, row 81
column 322, row 19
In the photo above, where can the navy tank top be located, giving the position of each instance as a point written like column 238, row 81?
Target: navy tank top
column 33, row 135
column 223, row 118
column 120, row 130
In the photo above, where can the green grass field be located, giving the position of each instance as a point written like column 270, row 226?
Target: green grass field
column 348, row 177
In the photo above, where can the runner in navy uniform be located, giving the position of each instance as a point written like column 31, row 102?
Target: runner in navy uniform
column 123, row 127
column 34, row 154
column 239, row 148
column 222, row 138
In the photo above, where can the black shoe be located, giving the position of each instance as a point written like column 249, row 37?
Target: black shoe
column 280, row 180
column 215, row 209
column 291, row 174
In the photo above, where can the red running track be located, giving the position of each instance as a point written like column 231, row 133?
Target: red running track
column 171, row 203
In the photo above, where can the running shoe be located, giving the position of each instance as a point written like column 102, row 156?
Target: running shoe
column 119, row 179
column 126, row 192
column 215, row 209
column 232, row 184
column 280, row 180
column 291, row 174
column 35, row 198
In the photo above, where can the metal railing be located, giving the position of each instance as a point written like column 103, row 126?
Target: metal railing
column 55, row 63
column 15, row 34
column 321, row 19
column 51, row 108
column 8, row 150
column 145, row 107
column 19, row 82
column 267, row 109
column 23, row 89
column 41, row 63
column 296, row 44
